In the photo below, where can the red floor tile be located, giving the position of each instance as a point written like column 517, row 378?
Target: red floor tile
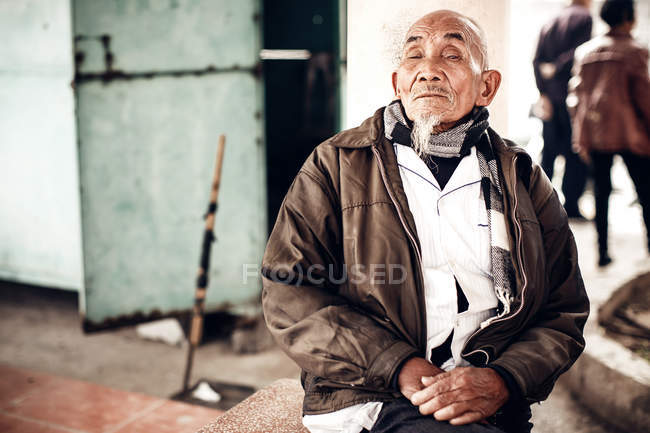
column 172, row 417
column 9, row 424
column 32, row 402
column 16, row 383
column 83, row 406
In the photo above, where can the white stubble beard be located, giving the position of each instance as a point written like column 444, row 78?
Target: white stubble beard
column 423, row 127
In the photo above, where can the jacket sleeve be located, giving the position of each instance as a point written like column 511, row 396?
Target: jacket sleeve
column 308, row 317
column 640, row 87
column 552, row 344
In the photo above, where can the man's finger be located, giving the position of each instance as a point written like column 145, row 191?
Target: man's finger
column 410, row 376
column 454, row 410
column 446, row 381
column 439, row 401
column 408, row 391
column 430, row 380
column 422, row 396
column 467, row 418
column 438, row 386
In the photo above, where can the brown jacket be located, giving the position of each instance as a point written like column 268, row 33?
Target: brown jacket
column 347, row 206
column 612, row 91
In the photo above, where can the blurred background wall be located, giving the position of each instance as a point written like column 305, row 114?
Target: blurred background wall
column 40, row 229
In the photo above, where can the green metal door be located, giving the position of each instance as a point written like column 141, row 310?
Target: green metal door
column 157, row 81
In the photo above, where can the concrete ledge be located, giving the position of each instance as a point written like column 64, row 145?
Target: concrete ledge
column 613, row 383
column 274, row 409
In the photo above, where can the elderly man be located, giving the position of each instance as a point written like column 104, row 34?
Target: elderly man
column 421, row 271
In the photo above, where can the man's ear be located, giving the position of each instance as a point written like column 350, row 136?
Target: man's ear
column 490, row 81
column 394, row 78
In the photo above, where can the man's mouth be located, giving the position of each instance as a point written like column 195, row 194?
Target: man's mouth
column 432, row 93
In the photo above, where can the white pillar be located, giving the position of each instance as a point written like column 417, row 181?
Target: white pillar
column 375, row 32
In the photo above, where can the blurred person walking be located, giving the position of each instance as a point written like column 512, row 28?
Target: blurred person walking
column 612, row 113
column 552, row 65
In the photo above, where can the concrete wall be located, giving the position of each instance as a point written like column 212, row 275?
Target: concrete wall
column 375, row 30
column 40, row 238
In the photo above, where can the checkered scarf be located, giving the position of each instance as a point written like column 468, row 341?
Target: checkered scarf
column 456, row 142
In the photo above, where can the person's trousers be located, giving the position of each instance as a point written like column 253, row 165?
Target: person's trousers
column 557, row 141
column 639, row 169
column 400, row 416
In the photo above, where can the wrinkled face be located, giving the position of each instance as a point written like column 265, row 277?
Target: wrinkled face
column 441, row 69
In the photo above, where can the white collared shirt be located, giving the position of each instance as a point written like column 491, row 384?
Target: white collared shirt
column 452, row 227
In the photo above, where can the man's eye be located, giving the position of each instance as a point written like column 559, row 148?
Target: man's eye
column 453, row 56
column 414, row 56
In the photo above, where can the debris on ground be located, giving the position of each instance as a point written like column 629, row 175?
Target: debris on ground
column 626, row 315
column 168, row 331
column 205, row 393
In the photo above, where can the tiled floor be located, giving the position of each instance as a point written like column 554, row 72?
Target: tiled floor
column 33, row 402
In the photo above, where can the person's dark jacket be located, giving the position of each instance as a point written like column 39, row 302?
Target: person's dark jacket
column 612, row 95
column 347, row 207
column 557, row 42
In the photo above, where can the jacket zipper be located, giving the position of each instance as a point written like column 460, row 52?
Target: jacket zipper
column 521, row 266
column 414, row 244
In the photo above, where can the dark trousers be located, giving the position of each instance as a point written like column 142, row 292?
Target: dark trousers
column 557, row 141
column 639, row 169
column 400, row 416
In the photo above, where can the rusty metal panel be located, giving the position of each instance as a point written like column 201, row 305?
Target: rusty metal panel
column 165, row 35
column 147, row 144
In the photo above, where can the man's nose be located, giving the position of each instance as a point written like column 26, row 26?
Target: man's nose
column 430, row 71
